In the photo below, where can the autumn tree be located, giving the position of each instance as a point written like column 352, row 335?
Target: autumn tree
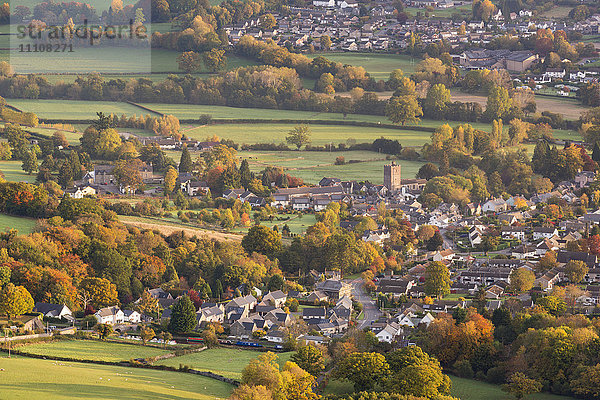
column 127, row 173
column 170, row 180
column 30, row 162
column 309, row 358
column 325, row 42
column 519, row 385
column 261, row 239
column 498, row 102
column 521, row 280
column 102, row 292
column 364, row 370
column 215, row 60
column 104, row 330
column 299, row 136
column 437, row 279
column 575, row 270
column 146, row 333
column 15, row 300
column 401, row 110
column 189, row 61
column 436, row 101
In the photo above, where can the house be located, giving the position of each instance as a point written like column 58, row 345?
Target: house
column 110, row 315
column 548, row 280
column 443, row 255
column 214, row 313
column 245, row 303
column 132, row 316
column 196, row 187
column 275, row 336
column 334, row 288
column 312, row 339
column 104, row 175
column 53, row 310
column 80, row 192
column 276, row 298
column 541, row 232
column 317, row 296
column 522, row 252
column 244, row 328
column 389, row 333
column 555, row 73
column 312, row 313
column 495, row 206
column 279, row 317
column 513, row 232
column 376, row 236
column 395, row 285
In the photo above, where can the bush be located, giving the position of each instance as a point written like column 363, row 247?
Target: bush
column 463, row 369
column 496, row 375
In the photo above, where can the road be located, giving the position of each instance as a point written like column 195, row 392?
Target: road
column 370, row 310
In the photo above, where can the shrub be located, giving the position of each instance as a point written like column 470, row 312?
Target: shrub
column 463, row 369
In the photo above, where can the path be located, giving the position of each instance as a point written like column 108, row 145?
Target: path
column 370, row 310
column 169, row 229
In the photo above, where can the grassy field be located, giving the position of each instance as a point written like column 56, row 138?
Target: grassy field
column 24, row 378
column 441, row 13
column 312, row 166
column 465, row 389
column 377, row 65
column 12, row 172
column 320, row 134
column 74, row 109
column 22, row 224
column 92, row 350
column 222, row 361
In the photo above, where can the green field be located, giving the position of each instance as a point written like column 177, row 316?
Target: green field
column 377, row 65
column 222, row 361
column 24, row 378
column 12, row 172
column 465, row 389
column 74, row 109
column 321, row 135
column 22, row 224
column 93, row 350
column 311, row 166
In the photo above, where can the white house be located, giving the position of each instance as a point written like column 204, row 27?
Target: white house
column 389, row 333
column 53, row 310
column 80, row 192
column 495, row 205
column 276, row 298
column 324, row 3
column 544, row 232
column 110, row 315
column 132, row 316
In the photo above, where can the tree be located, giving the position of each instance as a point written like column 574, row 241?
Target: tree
column 310, row 359
column 521, row 280
column 215, row 60
column 183, row 316
column 147, row 304
column 146, row 333
column 436, row 101
column 127, row 173
column 189, row 61
column 435, row 242
column 261, row 239
column 15, row 300
column 299, row 136
column 325, row 42
column 267, row 21
column 364, row 370
column 437, row 279
column 185, row 162
column 401, row 110
column 165, row 337
column 576, row 270
column 519, row 385
column 102, row 292
column 30, row 162
column 245, row 174
column 498, row 103
column 210, row 336
column 170, row 180
column 104, row 330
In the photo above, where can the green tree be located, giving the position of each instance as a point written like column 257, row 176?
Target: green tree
column 245, row 174
column 267, row 21
column 519, row 385
column 325, row 42
column 575, row 270
column 261, row 239
column 401, row 110
column 183, row 316
column 30, row 162
column 437, row 279
column 104, row 330
column 364, row 370
column 436, row 101
column 185, row 162
column 435, row 242
column 299, row 136
column 498, row 103
column 15, row 300
column 309, row 358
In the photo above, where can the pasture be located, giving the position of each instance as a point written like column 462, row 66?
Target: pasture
column 28, row 378
column 22, row 224
column 223, row 361
column 461, row 388
column 321, row 135
column 92, row 350
column 298, row 223
column 311, row 166
column 377, row 65
column 74, row 109
column 13, row 173
column 168, row 227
